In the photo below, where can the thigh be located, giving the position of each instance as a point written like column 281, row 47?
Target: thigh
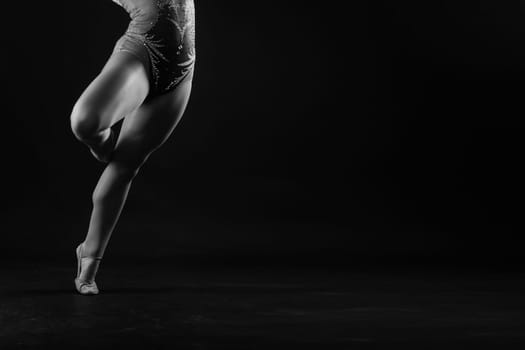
column 118, row 90
column 147, row 128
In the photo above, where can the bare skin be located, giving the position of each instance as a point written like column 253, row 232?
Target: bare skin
column 119, row 92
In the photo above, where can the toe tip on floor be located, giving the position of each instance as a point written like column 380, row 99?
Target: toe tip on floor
column 85, row 289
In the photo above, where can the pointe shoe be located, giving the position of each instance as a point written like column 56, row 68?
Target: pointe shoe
column 83, row 286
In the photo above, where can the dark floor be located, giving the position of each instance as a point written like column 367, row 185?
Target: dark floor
column 227, row 307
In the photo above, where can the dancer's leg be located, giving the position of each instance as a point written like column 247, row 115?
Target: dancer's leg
column 142, row 132
column 118, row 90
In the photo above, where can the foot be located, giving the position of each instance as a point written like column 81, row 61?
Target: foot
column 104, row 151
column 87, row 268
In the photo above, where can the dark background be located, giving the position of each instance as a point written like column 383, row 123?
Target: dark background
column 383, row 131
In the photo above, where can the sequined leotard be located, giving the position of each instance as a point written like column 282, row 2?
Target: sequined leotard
column 162, row 35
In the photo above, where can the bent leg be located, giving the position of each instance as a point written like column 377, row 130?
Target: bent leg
column 119, row 89
column 142, row 132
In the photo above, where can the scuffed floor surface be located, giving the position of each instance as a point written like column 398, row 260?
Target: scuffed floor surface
column 212, row 307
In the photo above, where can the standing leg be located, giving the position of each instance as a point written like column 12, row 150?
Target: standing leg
column 142, row 132
column 117, row 91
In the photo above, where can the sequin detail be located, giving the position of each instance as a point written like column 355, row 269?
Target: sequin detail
column 167, row 34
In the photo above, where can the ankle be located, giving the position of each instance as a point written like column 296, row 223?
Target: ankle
column 91, row 251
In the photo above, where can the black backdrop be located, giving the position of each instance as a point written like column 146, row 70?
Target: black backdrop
column 314, row 133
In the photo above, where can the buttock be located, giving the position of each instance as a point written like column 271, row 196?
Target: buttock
column 162, row 36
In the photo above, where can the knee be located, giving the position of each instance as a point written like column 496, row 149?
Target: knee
column 127, row 169
column 118, row 180
column 84, row 121
column 130, row 154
